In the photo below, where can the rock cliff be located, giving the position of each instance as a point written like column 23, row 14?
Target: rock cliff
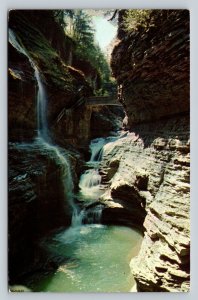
column 148, row 170
column 152, row 67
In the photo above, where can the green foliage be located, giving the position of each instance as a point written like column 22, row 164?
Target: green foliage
column 135, row 18
column 78, row 25
column 62, row 16
column 83, row 32
column 86, row 46
column 42, row 53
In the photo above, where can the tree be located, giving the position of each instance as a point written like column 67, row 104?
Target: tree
column 135, row 18
column 78, row 25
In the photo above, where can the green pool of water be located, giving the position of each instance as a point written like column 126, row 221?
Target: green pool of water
column 93, row 258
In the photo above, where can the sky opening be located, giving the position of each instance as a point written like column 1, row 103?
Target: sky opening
column 105, row 31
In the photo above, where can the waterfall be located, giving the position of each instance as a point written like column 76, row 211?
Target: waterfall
column 88, row 215
column 13, row 41
column 77, row 218
column 42, row 127
column 94, row 214
column 67, row 179
column 90, row 181
column 96, row 147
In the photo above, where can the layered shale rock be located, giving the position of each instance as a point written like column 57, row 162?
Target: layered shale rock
column 148, row 174
column 151, row 66
column 149, row 169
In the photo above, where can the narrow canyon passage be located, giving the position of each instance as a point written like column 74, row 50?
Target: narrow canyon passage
column 99, row 151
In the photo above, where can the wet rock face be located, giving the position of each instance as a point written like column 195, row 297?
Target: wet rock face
column 64, row 84
column 21, row 97
column 37, row 204
column 78, row 126
column 148, row 174
column 71, row 126
column 105, row 121
column 152, row 68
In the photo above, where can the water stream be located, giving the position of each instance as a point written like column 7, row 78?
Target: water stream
column 43, row 136
column 91, row 257
column 90, row 181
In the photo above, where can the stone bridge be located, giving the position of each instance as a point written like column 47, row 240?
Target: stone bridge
column 90, row 101
column 102, row 100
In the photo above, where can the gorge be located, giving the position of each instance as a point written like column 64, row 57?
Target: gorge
column 78, row 175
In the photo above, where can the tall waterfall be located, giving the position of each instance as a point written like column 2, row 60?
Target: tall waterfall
column 42, row 127
column 96, row 147
column 90, row 181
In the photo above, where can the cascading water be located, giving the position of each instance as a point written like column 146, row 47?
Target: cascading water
column 94, row 214
column 42, row 126
column 43, row 138
column 96, row 147
column 90, row 181
column 90, row 257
